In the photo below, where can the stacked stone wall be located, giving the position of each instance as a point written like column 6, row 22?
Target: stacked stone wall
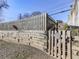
column 36, row 39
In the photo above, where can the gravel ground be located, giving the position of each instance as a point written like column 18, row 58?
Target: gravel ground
column 17, row 51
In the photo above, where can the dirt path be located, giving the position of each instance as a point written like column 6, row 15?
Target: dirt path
column 15, row 51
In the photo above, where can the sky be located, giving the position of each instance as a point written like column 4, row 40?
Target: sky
column 28, row 6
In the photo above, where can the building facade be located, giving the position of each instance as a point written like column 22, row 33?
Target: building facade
column 74, row 15
column 40, row 22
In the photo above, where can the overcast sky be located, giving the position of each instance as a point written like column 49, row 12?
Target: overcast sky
column 28, row 6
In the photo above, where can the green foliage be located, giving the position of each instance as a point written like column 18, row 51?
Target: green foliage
column 75, row 32
column 65, row 27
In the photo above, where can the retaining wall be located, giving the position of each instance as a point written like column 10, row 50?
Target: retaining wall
column 33, row 38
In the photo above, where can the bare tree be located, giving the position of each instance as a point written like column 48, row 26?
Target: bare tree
column 3, row 4
column 36, row 13
column 20, row 16
column 26, row 15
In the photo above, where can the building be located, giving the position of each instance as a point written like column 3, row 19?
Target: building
column 40, row 22
column 74, row 15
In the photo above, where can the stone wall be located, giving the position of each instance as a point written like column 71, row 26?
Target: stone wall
column 33, row 38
